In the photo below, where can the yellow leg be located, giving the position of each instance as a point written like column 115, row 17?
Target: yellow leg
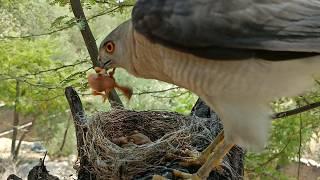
column 210, row 159
column 184, row 175
column 104, row 96
column 205, row 153
column 215, row 159
column 157, row 177
column 96, row 93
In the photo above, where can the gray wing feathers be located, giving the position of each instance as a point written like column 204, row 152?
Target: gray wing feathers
column 290, row 25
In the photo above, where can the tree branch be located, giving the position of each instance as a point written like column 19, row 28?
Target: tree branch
column 91, row 44
column 113, row 4
column 74, row 75
column 9, row 77
column 79, row 120
column 153, row 92
column 300, row 145
column 26, row 125
column 173, row 96
column 296, row 111
column 22, row 138
column 66, row 27
column 85, row 31
column 15, row 122
column 55, row 69
column 65, row 135
column 37, row 35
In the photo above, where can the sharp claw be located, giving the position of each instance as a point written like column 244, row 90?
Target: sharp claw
column 184, row 175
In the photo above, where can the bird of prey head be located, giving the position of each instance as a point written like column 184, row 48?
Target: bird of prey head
column 238, row 56
column 114, row 50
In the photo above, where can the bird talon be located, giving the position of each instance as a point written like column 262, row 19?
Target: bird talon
column 158, row 177
column 96, row 93
column 185, row 175
column 191, row 162
column 218, row 169
column 196, row 158
column 209, row 159
column 190, row 153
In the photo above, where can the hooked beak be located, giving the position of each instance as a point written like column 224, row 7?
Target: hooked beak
column 106, row 65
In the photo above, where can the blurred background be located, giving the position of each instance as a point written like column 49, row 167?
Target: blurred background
column 42, row 52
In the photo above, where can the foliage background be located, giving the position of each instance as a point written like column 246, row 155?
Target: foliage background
column 42, row 49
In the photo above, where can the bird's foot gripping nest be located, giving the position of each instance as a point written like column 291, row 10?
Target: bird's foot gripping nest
column 124, row 144
column 209, row 159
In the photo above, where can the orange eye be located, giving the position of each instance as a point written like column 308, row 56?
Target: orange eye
column 109, row 46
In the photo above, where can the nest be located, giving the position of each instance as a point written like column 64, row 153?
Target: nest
column 171, row 134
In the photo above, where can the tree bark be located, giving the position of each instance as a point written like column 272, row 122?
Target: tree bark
column 91, row 44
column 15, row 120
column 79, row 120
column 16, row 153
column 65, row 135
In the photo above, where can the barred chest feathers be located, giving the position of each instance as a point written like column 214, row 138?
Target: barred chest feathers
column 239, row 91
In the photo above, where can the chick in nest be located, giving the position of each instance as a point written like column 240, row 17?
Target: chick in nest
column 135, row 137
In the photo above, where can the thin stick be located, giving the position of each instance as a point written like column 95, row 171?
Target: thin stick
column 296, row 111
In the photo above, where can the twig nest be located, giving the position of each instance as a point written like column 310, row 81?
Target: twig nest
column 124, row 144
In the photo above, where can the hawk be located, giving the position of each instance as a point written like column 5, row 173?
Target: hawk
column 237, row 55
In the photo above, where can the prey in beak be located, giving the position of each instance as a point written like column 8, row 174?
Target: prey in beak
column 102, row 83
column 99, row 70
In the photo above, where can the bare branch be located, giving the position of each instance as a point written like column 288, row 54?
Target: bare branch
column 150, row 92
column 79, row 120
column 85, row 31
column 171, row 97
column 16, row 153
column 46, row 86
column 49, row 99
column 16, row 119
column 153, row 92
column 65, row 134
column 55, row 69
column 10, row 77
column 18, row 128
column 75, row 74
column 121, row 4
column 296, row 111
column 91, row 44
column 300, row 145
column 37, row 35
